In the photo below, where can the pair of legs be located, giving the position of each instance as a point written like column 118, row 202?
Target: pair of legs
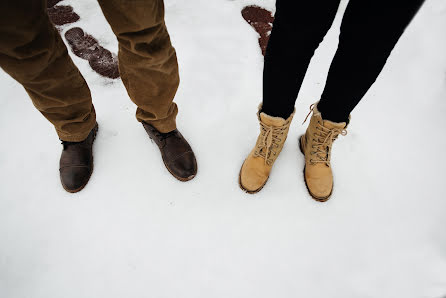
column 33, row 53
column 369, row 32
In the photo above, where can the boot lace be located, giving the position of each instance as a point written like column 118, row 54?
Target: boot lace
column 270, row 139
column 67, row 144
column 323, row 141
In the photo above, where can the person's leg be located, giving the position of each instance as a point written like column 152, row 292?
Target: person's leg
column 298, row 29
column 33, row 53
column 149, row 70
column 147, row 59
column 369, row 32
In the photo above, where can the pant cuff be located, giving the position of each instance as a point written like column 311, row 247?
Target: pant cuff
column 79, row 137
column 163, row 125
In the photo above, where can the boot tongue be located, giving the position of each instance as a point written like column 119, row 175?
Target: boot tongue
column 272, row 121
column 334, row 125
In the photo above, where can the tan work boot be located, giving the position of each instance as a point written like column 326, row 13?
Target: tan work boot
column 316, row 145
column 257, row 166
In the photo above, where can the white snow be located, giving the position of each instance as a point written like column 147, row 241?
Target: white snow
column 135, row 231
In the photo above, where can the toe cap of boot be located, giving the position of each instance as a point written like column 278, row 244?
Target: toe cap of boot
column 74, row 179
column 184, row 167
column 253, row 175
column 320, row 188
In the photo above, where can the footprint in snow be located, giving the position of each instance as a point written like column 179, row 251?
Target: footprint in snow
column 262, row 21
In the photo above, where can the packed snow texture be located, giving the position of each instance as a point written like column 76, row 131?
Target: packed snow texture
column 135, row 231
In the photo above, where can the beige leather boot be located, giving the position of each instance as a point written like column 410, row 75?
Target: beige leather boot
column 257, row 166
column 316, row 145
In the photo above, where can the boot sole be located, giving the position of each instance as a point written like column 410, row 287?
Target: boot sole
column 243, row 188
column 92, row 167
column 175, row 176
column 316, row 198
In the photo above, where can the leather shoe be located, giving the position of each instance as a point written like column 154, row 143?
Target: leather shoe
column 176, row 152
column 76, row 163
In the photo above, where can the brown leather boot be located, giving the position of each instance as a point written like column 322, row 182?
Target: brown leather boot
column 176, row 152
column 76, row 163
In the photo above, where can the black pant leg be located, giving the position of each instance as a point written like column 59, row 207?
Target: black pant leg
column 299, row 27
column 369, row 31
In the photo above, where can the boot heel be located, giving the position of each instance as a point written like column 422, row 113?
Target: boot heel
column 96, row 128
column 300, row 145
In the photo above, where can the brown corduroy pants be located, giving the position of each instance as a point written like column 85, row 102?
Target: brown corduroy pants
column 33, row 53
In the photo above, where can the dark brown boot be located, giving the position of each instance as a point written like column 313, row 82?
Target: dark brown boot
column 76, row 163
column 176, row 152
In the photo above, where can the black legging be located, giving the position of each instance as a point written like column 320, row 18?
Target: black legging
column 369, row 31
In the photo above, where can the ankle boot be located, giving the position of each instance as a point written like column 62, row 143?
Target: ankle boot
column 316, row 145
column 76, row 163
column 257, row 166
column 176, row 152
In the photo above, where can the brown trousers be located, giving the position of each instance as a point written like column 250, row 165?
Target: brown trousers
column 33, row 53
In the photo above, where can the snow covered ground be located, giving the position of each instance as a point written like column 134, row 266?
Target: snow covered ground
column 135, row 231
